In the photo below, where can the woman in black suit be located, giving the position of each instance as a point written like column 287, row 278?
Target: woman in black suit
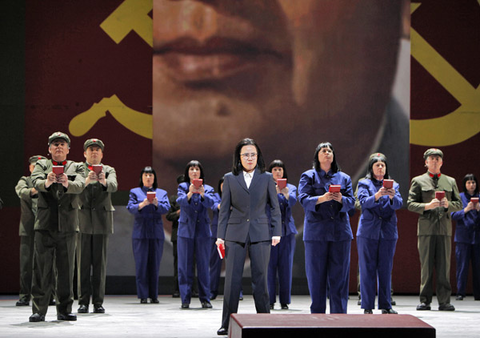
column 243, row 226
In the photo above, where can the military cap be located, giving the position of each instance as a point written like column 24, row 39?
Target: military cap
column 377, row 155
column 35, row 158
column 432, row 151
column 58, row 135
column 93, row 142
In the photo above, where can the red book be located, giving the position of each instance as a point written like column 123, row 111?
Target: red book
column 474, row 200
column 221, row 250
column 281, row 183
column 197, row 182
column 151, row 195
column 57, row 169
column 388, row 184
column 97, row 168
column 439, row 195
column 334, row 188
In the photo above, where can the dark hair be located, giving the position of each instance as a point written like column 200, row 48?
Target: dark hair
column 316, row 163
column 220, row 181
column 237, row 163
column 193, row 163
column 280, row 164
column 148, row 170
column 180, row 179
column 470, row 177
column 374, row 158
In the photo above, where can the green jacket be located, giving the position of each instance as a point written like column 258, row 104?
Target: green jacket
column 96, row 209
column 422, row 191
column 28, row 205
column 58, row 207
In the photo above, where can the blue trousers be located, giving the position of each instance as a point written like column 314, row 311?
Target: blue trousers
column 147, row 254
column 281, row 263
column 215, row 268
column 375, row 260
column 327, row 264
column 464, row 253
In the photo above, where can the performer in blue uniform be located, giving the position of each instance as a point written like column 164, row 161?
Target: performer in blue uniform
column 193, row 235
column 215, row 261
column 281, row 255
column 467, row 238
column 327, row 233
column 377, row 234
column 148, row 235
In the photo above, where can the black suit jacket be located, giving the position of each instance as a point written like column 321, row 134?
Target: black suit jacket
column 243, row 210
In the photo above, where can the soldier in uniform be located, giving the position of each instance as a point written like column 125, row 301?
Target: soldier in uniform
column 96, row 224
column 55, row 227
column 434, row 229
column 28, row 206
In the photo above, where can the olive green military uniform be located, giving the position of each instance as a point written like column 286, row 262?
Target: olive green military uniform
column 56, row 226
column 434, row 231
column 96, row 224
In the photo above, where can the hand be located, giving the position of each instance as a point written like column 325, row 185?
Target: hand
column 63, row 179
column 219, row 242
column 101, row 178
column 51, row 178
column 285, row 192
column 143, row 204
column 469, row 207
column 275, row 240
column 33, row 192
column 154, row 202
column 337, row 196
column 90, row 177
column 444, row 203
column 433, row 204
column 328, row 196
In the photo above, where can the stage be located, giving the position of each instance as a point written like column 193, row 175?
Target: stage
column 126, row 317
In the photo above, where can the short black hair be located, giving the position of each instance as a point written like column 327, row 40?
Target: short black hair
column 237, row 163
column 193, row 163
column 374, row 158
column 148, row 169
column 280, row 164
column 220, row 181
column 316, row 163
column 470, row 177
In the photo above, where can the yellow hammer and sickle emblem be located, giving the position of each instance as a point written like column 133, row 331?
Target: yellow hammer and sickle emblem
column 457, row 126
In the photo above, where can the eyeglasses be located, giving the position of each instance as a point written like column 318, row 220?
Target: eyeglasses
column 251, row 155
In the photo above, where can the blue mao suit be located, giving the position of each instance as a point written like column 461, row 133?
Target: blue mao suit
column 467, row 246
column 193, row 240
column 327, row 236
column 215, row 261
column 147, row 239
column 281, row 255
column 376, row 240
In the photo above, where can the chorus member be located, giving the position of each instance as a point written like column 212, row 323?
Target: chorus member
column 377, row 234
column 434, row 228
column 327, row 232
column 28, row 205
column 243, row 226
column 147, row 234
column 96, row 225
column 194, row 234
column 467, row 237
column 215, row 260
column 58, row 182
column 281, row 256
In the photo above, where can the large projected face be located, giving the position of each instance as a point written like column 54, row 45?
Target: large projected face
column 288, row 74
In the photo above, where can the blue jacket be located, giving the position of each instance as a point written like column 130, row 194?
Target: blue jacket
column 194, row 221
column 148, row 221
column 378, row 219
column 216, row 201
column 288, row 224
column 468, row 224
column 327, row 221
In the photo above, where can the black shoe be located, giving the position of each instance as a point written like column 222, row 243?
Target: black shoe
column 185, row 306
column 143, row 301
column 213, row 297
column 83, row 309
column 176, row 294
column 52, row 302
column 459, row 297
column 222, row 331
column 36, row 317
column 206, row 305
column 423, row 307
column 389, row 311
column 284, row 307
column 446, row 307
column 368, row 311
column 22, row 302
column 392, row 302
column 66, row 316
column 154, row 301
column 98, row 309
column 272, row 306
column 359, row 302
